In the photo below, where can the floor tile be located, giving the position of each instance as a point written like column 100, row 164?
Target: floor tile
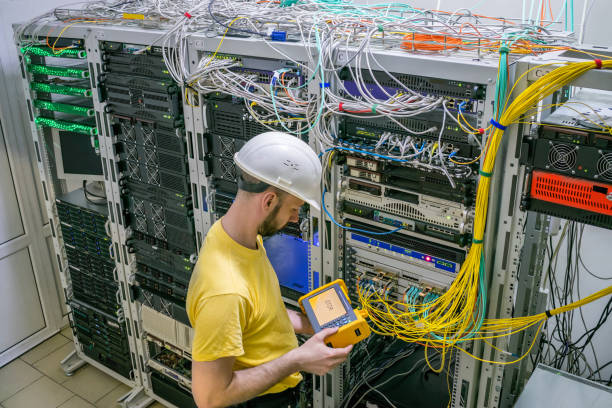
column 90, row 383
column 44, row 392
column 156, row 404
column 15, row 376
column 50, row 365
column 110, row 399
column 67, row 332
column 44, row 349
column 76, row 402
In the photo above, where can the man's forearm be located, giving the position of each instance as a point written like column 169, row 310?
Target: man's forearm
column 249, row 383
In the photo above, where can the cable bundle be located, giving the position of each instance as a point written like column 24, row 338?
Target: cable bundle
column 458, row 315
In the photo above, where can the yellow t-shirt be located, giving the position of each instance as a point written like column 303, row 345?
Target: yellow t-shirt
column 235, row 306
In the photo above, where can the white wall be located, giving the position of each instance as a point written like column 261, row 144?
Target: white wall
column 15, row 116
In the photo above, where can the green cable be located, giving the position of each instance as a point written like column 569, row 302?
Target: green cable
column 60, row 89
column 67, row 126
column 44, row 51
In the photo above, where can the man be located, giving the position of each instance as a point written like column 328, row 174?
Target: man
column 244, row 344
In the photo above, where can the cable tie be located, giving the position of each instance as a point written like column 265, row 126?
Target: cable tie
column 188, row 15
column 484, row 173
column 548, row 315
column 598, row 63
column 340, row 108
column 504, row 49
column 323, row 84
column 498, row 125
column 481, row 131
column 477, row 241
column 374, row 108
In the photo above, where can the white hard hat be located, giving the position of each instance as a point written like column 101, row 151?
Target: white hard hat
column 283, row 161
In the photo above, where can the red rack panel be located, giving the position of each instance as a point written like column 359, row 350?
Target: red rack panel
column 572, row 192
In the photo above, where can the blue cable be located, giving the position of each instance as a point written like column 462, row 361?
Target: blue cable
column 350, row 228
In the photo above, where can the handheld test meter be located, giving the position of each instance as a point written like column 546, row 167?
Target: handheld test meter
column 329, row 306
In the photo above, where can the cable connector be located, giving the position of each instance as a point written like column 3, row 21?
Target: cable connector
column 277, row 75
column 186, row 14
column 277, row 35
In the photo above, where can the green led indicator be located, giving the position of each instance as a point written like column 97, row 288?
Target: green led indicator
column 68, row 126
column 59, row 71
column 167, row 116
column 60, row 89
column 64, row 107
column 45, row 51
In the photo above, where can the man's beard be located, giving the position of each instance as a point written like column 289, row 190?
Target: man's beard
column 268, row 227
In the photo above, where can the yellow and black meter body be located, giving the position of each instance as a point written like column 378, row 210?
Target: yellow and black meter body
column 329, row 306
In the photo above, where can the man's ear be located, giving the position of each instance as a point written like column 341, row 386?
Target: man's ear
column 269, row 200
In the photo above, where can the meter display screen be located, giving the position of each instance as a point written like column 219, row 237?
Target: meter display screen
column 327, row 306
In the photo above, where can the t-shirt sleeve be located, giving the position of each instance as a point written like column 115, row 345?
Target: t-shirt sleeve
column 219, row 324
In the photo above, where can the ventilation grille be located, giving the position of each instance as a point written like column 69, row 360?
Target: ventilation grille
column 562, row 157
column 572, row 192
column 604, row 167
column 227, row 123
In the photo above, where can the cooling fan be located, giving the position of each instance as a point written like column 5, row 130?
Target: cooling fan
column 604, row 167
column 562, row 157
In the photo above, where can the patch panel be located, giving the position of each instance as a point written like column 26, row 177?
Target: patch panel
column 262, row 68
column 396, row 277
column 364, row 132
column 423, row 254
column 374, row 80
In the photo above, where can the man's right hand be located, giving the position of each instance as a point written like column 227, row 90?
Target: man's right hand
column 316, row 357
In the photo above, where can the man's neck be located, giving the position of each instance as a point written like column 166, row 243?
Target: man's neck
column 240, row 224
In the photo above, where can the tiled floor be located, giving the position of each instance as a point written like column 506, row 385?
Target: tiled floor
column 36, row 380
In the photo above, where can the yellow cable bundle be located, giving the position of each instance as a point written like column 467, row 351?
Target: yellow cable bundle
column 453, row 317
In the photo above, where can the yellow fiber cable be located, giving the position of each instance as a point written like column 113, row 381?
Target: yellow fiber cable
column 451, row 319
